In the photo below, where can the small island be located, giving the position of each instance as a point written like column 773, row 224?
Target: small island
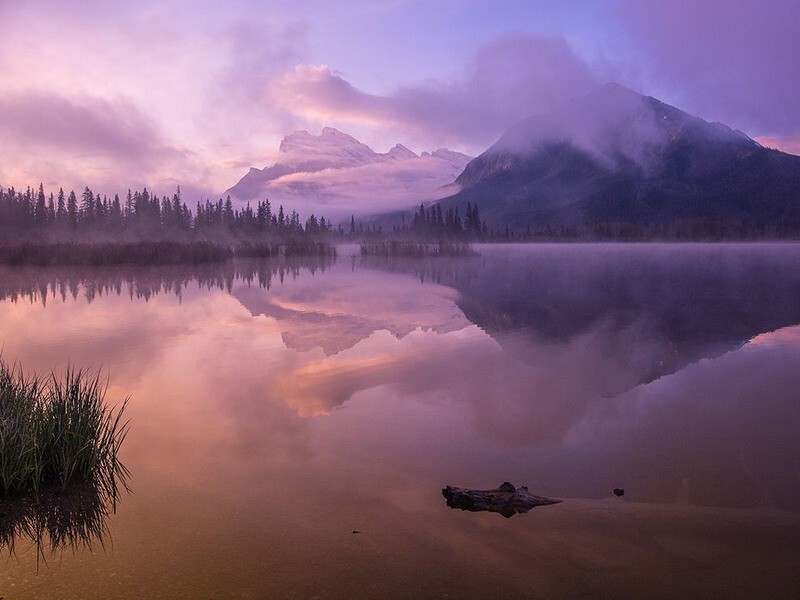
column 505, row 499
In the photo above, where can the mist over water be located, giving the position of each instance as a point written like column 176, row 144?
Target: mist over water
column 276, row 408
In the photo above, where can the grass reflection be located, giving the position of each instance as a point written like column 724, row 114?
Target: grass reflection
column 58, row 519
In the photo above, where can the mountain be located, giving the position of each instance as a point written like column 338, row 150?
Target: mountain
column 615, row 157
column 336, row 175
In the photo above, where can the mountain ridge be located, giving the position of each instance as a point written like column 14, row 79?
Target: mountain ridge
column 616, row 156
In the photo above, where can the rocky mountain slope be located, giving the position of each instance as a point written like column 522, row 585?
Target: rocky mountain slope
column 617, row 157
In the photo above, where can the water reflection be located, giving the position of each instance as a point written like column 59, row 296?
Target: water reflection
column 643, row 311
column 57, row 520
column 269, row 421
column 35, row 284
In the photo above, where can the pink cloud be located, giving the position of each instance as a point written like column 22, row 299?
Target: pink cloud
column 86, row 140
column 341, row 192
column 316, row 93
column 510, row 79
column 85, row 124
column 784, row 144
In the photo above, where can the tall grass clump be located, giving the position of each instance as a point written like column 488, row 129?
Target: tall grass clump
column 58, row 430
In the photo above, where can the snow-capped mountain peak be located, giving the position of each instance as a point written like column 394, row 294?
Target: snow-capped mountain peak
column 330, row 149
column 348, row 177
column 400, row 152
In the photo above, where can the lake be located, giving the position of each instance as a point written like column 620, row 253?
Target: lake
column 292, row 423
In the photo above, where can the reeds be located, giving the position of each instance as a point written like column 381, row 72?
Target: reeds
column 57, row 519
column 114, row 253
column 290, row 247
column 58, row 430
column 416, row 249
column 148, row 253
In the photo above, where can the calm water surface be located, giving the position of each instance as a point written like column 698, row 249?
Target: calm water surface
column 278, row 408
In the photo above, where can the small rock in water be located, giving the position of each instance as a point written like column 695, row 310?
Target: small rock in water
column 619, row 492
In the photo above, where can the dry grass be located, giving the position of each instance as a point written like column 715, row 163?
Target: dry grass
column 416, row 249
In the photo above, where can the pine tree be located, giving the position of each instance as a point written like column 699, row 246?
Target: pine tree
column 51, row 209
column 115, row 214
column 87, row 207
column 40, row 212
column 227, row 217
column 61, row 208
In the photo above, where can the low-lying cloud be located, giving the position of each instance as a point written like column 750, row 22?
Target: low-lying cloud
column 339, row 193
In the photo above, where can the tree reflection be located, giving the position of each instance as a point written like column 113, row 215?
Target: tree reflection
column 42, row 285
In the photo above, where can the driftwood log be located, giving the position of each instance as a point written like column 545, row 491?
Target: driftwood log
column 505, row 499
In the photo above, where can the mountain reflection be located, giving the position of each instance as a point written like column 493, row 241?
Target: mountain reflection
column 653, row 307
column 346, row 307
column 627, row 314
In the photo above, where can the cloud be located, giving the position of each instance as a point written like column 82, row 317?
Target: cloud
column 510, row 79
column 87, row 140
column 731, row 62
column 112, row 95
column 725, row 63
column 342, row 192
column 258, row 51
column 85, row 124
column 784, row 143
column 254, row 52
column 318, row 94
column 229, row 82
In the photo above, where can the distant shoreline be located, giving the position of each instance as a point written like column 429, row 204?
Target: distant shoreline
column 146, row 253
column 155, row 253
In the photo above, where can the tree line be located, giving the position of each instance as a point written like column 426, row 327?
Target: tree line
column 431, row 223
column 143, row 213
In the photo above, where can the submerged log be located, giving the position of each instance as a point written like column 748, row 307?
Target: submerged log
column 505, row 499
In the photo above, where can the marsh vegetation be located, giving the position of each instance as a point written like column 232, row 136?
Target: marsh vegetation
column 153, row 253
column 416, row 249
column 58, row 430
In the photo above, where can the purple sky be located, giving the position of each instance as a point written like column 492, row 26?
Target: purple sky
column 193, row 92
